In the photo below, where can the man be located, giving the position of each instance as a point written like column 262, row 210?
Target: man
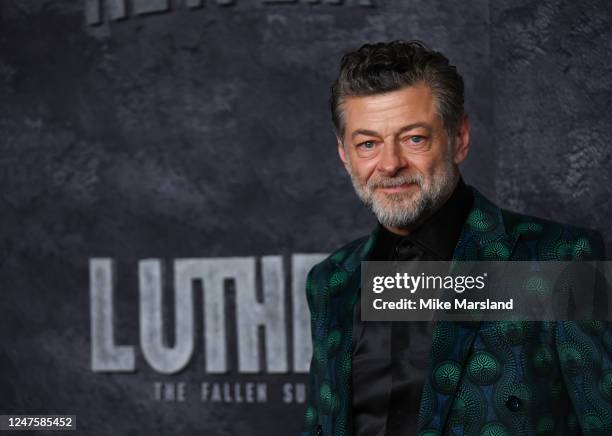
column 398, row 115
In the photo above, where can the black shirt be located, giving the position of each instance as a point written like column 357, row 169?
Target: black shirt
column 390, row 359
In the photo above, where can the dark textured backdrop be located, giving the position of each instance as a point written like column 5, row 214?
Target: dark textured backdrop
column 205, row 132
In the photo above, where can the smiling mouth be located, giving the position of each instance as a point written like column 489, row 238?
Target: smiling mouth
column 396, row 189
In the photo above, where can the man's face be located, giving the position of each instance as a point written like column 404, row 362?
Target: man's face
column 397, row 151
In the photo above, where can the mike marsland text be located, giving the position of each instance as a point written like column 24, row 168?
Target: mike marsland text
column 437, row 304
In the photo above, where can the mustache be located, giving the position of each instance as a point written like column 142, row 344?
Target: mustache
column 394, row 182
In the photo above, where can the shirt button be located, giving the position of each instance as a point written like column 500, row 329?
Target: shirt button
column 319, row 431
column 513, row 403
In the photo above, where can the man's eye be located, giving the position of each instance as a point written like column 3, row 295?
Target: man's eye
column 416, row 139
column 368, row 145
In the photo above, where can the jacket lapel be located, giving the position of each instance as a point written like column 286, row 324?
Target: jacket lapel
column 483, row 237
column 351, row 285
column 344, row 290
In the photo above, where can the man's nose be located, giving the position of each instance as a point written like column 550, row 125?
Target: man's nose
column 391, row 159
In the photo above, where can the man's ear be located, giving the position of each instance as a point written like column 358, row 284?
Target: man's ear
column 462, row 140
column 342, row 152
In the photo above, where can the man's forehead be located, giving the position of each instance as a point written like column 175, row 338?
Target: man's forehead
column 396, row 109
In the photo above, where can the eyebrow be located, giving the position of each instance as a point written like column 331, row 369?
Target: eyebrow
column 367, row 132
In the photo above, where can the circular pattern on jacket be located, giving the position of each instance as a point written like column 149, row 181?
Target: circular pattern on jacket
column 310, row 417
column 446, row 376
column 571, row 358
column 582, row 249
column 496, row 250
column 428, row 403
column 605, row 384
column 468, row 407
column 333, row 342
column 542, row 360
column 556, row 250
column 513, row 332
column 328, row 399
column 483, row 368
column 494, row 429
column 481, row 221
column 592, row 423
column 337, row 280
column 443, row 338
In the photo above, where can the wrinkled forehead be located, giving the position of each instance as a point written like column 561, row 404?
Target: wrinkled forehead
column 391, row 111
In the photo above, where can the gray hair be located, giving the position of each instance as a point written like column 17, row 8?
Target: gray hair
column 390, row 66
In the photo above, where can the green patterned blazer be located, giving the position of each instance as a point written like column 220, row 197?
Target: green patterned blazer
column 487, row 378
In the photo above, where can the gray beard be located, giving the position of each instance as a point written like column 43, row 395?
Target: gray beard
column 402, row 210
